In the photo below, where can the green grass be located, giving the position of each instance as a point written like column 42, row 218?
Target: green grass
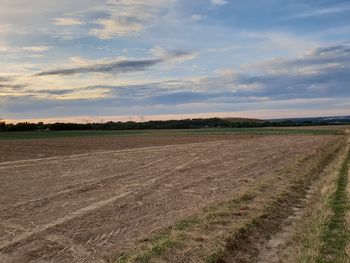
column 206, row 131
column 64, row 134
column 337, row 233
column 161, row 243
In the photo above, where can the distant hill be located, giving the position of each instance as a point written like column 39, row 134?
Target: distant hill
column 237, row 119
column 328, row 120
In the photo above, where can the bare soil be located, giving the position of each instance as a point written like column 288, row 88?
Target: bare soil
column 14, row 150
column 89, row 206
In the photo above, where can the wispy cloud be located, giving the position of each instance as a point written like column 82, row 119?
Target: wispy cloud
column 322, row 12
column 117, row 27
column 129, row 17
column 115, row 67
column 123, row 66
column 219, row 2
column 197, row 17
column 37, row 49
column 5, row 28
column 67, row 21
column 177, row 56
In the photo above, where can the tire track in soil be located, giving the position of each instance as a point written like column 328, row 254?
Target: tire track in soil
column 90, row 185
column 128, row 226
column 83, row 211
column 15, row 150
column 93, row 184
column 6, row 165
column 139, row 192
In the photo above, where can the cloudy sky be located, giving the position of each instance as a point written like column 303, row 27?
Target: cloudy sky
column 129, row 59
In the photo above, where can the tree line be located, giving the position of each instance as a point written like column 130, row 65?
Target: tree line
column 169, row 124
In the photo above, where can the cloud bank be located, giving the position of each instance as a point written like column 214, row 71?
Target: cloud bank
column 316, row 78
column 112, row 56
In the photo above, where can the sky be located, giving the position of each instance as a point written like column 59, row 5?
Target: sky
column 89, row 60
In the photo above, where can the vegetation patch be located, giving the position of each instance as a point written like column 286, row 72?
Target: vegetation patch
column 337, row 234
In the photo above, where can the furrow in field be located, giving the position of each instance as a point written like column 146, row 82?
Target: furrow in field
column 133, row 194
column 81, row 212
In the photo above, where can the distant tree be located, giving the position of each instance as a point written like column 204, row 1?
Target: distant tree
column 2, row 126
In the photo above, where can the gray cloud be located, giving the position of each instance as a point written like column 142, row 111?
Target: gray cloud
column 322, row 73
column 51, row 92
column 13, row 86
column 343, row 49
column 119, row 66
column 278, row 80
column 5, row 79
column 114, row 67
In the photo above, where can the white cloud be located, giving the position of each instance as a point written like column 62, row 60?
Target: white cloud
column 116, row 27
column 5, row 28
column 4, row 49
column 129, row 17
column 322, row 12
column 37, row 49
column 25, row 50
column 271, row 41
column 67, row 21
column 219, row 2
column 197, row 17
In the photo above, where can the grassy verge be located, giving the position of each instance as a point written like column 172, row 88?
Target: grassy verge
column 347, row 216
column 322, row 234
column 211, row 235
column 336, row 236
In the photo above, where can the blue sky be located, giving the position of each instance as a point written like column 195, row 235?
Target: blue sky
column 122, row 59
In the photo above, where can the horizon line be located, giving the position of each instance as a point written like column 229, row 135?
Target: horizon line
column 257, row 115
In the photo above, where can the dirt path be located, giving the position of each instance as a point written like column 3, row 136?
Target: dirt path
column 90, row 207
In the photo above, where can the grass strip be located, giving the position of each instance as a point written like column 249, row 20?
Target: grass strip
column 337, row 234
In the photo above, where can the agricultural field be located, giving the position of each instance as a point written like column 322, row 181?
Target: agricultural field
column 204, row 131
column 209, row 195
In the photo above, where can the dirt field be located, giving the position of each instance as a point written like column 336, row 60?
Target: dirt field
column 14, row 150
column 91, row 199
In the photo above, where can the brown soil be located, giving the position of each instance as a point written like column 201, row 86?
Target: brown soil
column 91, row 206
column 14, row 150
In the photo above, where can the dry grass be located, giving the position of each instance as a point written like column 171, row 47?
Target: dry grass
column 317, row 213
column 347, row 217
column 208, row 236
column 312, row 240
